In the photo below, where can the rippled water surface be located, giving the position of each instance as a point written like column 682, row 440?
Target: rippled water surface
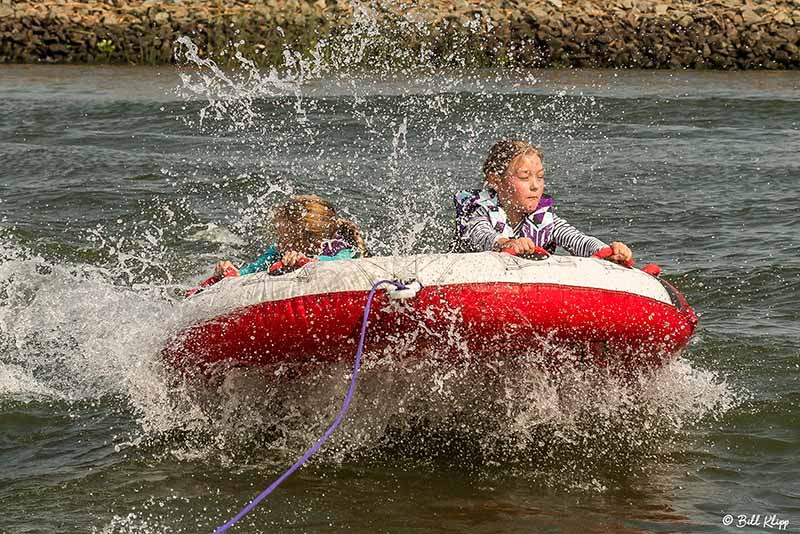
column 120, row 187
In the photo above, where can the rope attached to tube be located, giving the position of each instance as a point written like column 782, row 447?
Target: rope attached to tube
column 261, row 496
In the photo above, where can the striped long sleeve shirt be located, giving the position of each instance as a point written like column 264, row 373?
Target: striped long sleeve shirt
column 481, row 221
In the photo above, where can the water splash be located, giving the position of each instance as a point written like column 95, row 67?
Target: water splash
column 391, row 117
column 465, row 413
column 71, row 333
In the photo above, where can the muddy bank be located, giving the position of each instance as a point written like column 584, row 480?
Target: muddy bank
column 719, row 34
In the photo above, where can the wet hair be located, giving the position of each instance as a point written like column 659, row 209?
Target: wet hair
column 315, row 220
column 504, row 152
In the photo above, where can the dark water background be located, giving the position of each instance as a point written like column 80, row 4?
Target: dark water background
column 121, row 186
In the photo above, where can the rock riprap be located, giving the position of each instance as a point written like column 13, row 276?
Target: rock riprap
column 720, row 34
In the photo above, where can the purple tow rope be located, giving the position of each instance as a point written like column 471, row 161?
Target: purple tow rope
column 335, row 424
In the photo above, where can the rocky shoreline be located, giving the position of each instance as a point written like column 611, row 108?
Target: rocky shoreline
column 714, row 34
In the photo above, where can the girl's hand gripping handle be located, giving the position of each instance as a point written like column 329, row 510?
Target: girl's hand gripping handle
column 229, row 272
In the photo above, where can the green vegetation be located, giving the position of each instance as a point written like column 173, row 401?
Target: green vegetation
column 107, row 47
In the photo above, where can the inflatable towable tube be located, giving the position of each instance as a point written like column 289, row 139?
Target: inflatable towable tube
column 484, row 305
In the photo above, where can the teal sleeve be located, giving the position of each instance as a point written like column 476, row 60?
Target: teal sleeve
column 262, row 263
column 346, row 254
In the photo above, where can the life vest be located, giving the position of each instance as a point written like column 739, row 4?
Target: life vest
column 537, row 225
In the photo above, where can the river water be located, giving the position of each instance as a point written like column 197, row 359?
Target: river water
column 120, row 187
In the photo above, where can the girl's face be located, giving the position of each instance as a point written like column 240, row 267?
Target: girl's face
column 520, row 188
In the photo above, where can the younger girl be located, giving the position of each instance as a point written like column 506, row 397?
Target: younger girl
column 307, row 229
column 514, row 213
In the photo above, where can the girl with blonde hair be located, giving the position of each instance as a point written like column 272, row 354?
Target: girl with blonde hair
column 513, row 213
column 307, row 229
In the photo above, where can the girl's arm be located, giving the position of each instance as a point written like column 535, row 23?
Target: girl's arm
column 262, row 263
column 573, row 240
column 476, row 233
